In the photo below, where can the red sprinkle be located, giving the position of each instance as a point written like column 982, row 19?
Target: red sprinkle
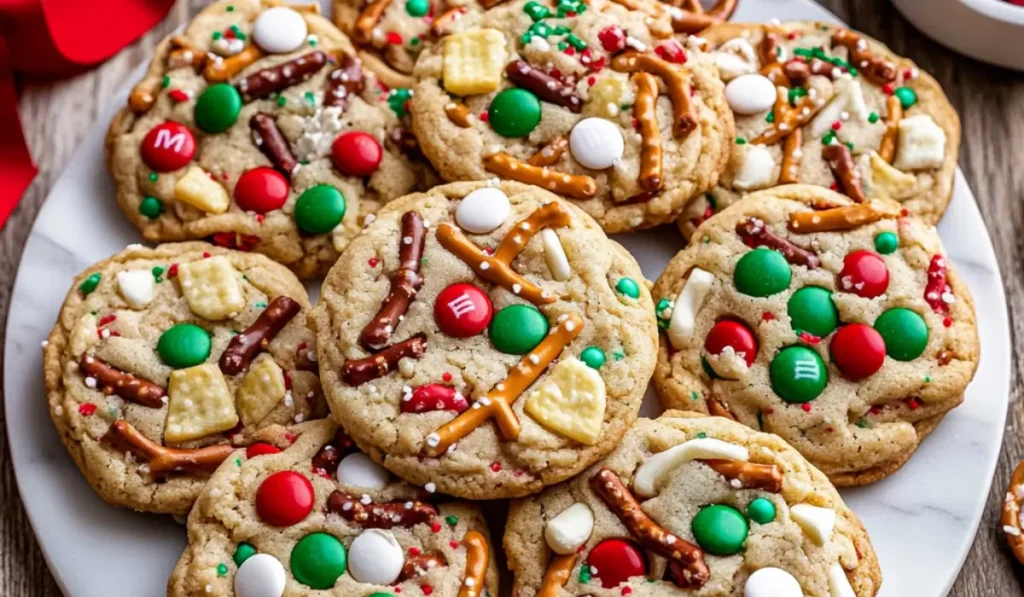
column 834, row 186
column 876, row 409
column 612, row 38
column 837, row 125
column 806, row 406
column 172, row 272
column 913, row 403
column 887, row 89
column 414, row 551
column 86, row 409
column 446, row 376
column 570, row 51
column 767, row 316
column 810, row 338
column 290, row 437
column 177, row 95
column 484, row 116
column 427, row 589
column 591, row 80
column 393, row 38
column 260, row 218
column 435, row 526
column 495, row 466
column 206, row 254
column 518, row 473
column 373, row 261
column 791, row 35
column 671, row 51
column 106, row 319
column 937, row 286
column 947, row 321
column 453, row 544
column 627, row 590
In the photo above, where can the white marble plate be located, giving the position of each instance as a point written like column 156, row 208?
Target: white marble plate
column 922, row 520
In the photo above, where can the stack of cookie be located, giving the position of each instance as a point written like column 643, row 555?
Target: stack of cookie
column 485, row 339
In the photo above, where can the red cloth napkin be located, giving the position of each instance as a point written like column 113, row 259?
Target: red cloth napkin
column 55, row 38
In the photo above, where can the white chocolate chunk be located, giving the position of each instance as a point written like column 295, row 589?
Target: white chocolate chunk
column 735, row 58
column 554, row 255
column 728, row 364
column 84, row 335
column 570, row 401
column 569, row 530
column 772, row 582
column 137, row 287
column 848, row 97
column 817, row 523
column 922, row 144
column 359, row 470
column 755, row 167
column 197, row 189
column 261, row 390
column 882, row 181
column 211, row 287
column 838, row 584
column 688, row 303
column 199, row 403
column 653, row 472
column 473, row 61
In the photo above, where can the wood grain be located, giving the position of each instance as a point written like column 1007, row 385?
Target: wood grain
column 991, row 105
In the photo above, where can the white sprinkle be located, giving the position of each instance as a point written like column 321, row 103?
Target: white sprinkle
column 433, row 440
column 430, row 487
column 90, row 382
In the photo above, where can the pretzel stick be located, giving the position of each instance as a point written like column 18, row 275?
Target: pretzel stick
column 263, row 82
column 442, row 23
column 183, row 53
column 344, row 81
column 143, row 96
column 645, row 109
column 755, row 233
column 775, row 73
column 557, row 574
column 1010, row 518
column 876, row 69
column 243, row 347
column 405, row 283
column 325, row 461
column 477, row 555
column 683, row 122
column 497, row 403
column 791, row 153
column 458, row 113
column 842, row 218
column 693, row 6
column 550, row 153
column 749, row 475
column 768, row 48
column 894, row 113
column 577, row 186
column 125, row 385
column 421, row 564
column 497, row 268
column 362, row 32
column 386, row 515
column 610, row 488
column 717, row 409
column 790, row 121
column 840, row 160
column 937, row 287
column 359, row 371
column 799, row 72
column 272, row 143
column 222, row 69
column 160, row 459
column 545, row 86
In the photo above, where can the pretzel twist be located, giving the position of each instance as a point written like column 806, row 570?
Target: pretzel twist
column 421, row 564
column 405, row 283
column 344, row 82
column 755, row 233
column 893, row 116
column 876, row 69
column 676, row 81
column 556, row 575
column 272, row 143
column 694, row 571
column 651, row 177
column 272, row 79
column 163, row 460
column 458, row 113
column 386, row 515
column 223, row 69
column 577, row 186
column 497, row 268
column 840, row 161
column 546, row 87
column 846, row 217
column 790, row 121
column 477, row 555
column 1010, row 517
column 550, row 153
column 749, row 475
column 359, row 371
column 497, row 404
column 114, row 381
column 362, row 32
column 242, row 348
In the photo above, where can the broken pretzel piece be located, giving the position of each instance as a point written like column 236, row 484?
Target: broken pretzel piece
column 791, row 153
column 556, row 575
column 477, row 556
column 846, row 217
column 244, row 347
column 550, row 153
column 272, row 79
column 162, row 460
column 651, row 177
column 790, row 121
column 127, row 386
column 876, row 69
column 458, row 113
column 893, row 116
column 269, row 139
column 420, row 564
column 755, row 233
column 359, row 371
column 405, row 283
column 362, row 32
column 840, row 160
column 1010, row 517
column 344, row 82
column 749, row 475
column 577, row 186
column 387, row 515
column 219, row 69
column 676, row 80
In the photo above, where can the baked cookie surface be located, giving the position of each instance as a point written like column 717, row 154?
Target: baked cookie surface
column 485, row 340
column 692, row 503
column 311, row 515
column 163, row 359
column 259, row 128
column 592, row 101
column 816, row 103
column 839, row 326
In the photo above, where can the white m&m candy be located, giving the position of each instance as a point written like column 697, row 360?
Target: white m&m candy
column 279, row 30
column 482, row 210
column 359, row 470
column 772, row 582
column 750, row 94
column 260, row 576
column 375, row 557
column 596, row 143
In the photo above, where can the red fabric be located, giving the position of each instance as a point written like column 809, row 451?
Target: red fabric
column 54, row 38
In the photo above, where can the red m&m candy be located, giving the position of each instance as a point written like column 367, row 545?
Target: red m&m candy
column 261, row 190
column 864, row 274
column 616, row 561
column 733, row 334
column 168, row 146
column 858, row 350
column 356, row 153
column 284, row 499
column 462, row 310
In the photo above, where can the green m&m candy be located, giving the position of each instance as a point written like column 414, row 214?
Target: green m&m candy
column 514, row 112
column 905, row 333
column 720, row 530
column 183, row 345
column 318, row 560
column 798, row 374
column 628, row 287
column 811, row 310
column 762, row 272
column 761, row 511
column 217, row 108
column 906, row 95
column 243, row 552
column 518, row 329
column 886, row 243
column 417, row 8
column 319, row 209
column 151, row 207
column 593, row 357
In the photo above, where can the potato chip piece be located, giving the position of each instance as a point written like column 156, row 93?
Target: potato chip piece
column 211, row 287
column 199, row 403
column 473, row 61
column 261, row 390
column 570, row 402
column 200, row 191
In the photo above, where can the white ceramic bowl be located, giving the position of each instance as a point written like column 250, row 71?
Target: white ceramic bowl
column 989, row 30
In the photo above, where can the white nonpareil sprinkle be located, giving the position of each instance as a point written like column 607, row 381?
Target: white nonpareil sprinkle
column 90, row 382
column 433, row 440
column 430, row 487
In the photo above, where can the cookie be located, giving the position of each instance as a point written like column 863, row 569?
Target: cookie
column 163, row 360
column 692, row 503
column 485, row 340
column 839, row 326
column 819, row 104
column 590, row 100
column 259, row 129
column 320, row 518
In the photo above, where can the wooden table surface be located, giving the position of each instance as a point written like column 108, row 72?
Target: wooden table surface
column 991, row 104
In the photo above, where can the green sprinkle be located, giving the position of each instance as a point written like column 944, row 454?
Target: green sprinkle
column 165, row 82
column 424, row 261
column 618, row 355
column 536, row 11
column 90, row 283
column 153, row 176
column 260, row 304
column 584, row 574
column 694, row 395
column 927, row 379
column 397, row 100
column 222, row 570
column 576, row 42
column 238, row 462
column 451, row 519
column 863, row 424
column 850, row 145
column 827, row 139
column 706, row 240
column 414, row 41
column 312, row 41
column 238, row 32
column 217, row 35
column 562, row 46
column 796, row 93
column 741, row 141
column 873, row 117
column 770, row 118
column 281, row 101
column 701, row 435
column 158, row 273
column 311, row 98
column 712, row 200
column 151, row 207
column 230, row 8
column 625, row 107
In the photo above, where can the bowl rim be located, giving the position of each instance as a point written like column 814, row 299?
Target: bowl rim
column 997, row 9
